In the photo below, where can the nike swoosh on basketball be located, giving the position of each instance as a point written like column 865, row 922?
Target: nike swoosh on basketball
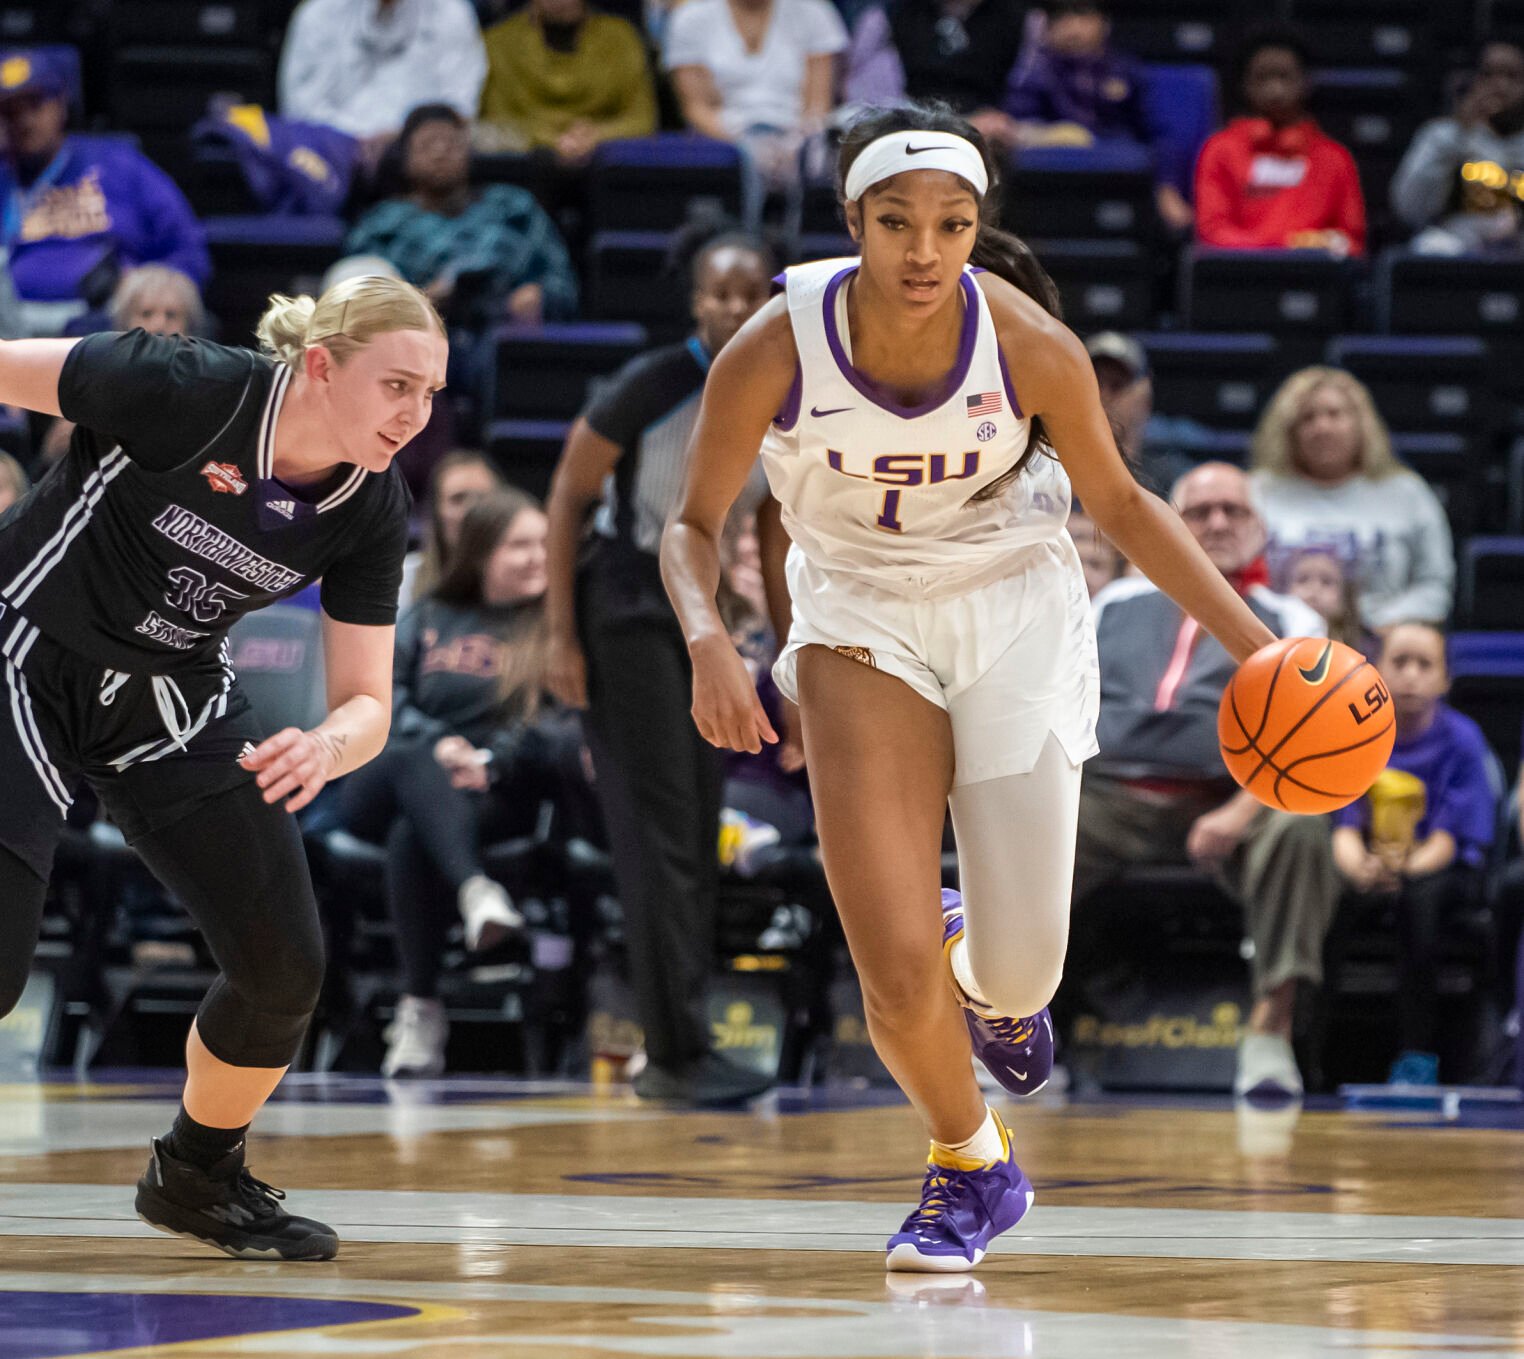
column 816, row 412
column 1319, row 672
column 916, row 150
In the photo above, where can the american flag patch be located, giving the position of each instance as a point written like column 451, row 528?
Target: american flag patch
column 985, row 403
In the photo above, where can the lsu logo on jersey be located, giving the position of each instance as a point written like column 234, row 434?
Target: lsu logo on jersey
column 896, row 471
column 911, row 469
column 225, row 477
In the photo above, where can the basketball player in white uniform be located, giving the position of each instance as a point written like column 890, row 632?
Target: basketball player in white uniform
column 920, row 423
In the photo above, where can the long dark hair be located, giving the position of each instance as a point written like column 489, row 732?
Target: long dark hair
column 435, row 554
column 526, row 647
column 1003, row 254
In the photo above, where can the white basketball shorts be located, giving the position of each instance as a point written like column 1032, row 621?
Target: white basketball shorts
column 1009, row 661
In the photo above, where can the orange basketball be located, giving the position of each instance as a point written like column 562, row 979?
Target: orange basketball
column 1306, row 725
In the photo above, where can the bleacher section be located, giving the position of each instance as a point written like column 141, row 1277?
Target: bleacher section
column 1439, row 342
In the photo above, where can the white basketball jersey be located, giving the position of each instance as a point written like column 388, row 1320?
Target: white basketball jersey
column 884, row 492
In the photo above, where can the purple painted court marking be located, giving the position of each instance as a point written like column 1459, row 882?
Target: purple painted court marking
column 53, row 1325
column 870, row 389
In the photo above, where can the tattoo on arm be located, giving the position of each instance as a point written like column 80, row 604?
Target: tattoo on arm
column 333, row 746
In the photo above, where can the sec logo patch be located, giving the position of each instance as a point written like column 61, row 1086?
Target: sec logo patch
column 985, row 432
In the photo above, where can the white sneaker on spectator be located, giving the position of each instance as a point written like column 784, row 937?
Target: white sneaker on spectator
column 488, row 912
column 415, row 1039
column 1267, row 1067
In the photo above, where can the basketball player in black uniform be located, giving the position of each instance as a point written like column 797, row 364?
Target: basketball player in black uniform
column 202, row 483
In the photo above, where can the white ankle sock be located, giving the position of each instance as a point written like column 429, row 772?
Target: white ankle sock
column 984, row 1145
column 963, row 974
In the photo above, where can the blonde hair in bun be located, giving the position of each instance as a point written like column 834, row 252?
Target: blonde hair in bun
column 346, row 318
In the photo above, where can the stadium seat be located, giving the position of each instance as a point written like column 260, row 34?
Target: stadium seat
column 277, row 654
column 1472, row 295
column 1451, row 465
column 1374, row 112
column 1106, row 285
column 1514, row 520
column 1221, row 380
column 166, row 89
column 1300, row 296
column 1490, row 596
column 1487, row 684
column 1182, row 102
column 1505, row 19
column 629, row 280
column 1399, row 33
column 526, row 451
column 160, row 93
column 180, row 22
column 1104, row 191
column 33, row 21
column 652, row 183
column 253, row 257
column 1176, row 30
column 543, row 372
column 1423, row 383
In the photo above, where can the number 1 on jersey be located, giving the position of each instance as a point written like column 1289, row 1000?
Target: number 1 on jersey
column 889, row 514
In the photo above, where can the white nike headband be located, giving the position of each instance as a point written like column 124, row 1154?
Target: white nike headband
column 896, row 152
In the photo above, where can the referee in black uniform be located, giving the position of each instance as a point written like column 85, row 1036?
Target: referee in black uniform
column 202, row 483
column 617, row 651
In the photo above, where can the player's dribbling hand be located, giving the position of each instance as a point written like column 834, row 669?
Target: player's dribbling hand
column 725, row 704
column 293, row 764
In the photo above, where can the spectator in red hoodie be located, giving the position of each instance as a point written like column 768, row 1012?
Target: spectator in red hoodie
column 1271, row 180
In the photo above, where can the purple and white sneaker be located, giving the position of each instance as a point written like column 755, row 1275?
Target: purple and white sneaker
column 1017, row 1052
column 964, row 1206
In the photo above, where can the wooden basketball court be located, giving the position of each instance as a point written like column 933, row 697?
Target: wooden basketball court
column 494, row 1218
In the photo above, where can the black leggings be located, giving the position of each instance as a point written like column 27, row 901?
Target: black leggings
column 238, row 867
column 433, row 835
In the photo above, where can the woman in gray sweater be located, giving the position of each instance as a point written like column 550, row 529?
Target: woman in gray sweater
column 1325, row 473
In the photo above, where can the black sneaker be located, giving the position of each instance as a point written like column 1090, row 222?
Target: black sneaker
column 711, row 1079
column 228, row 1208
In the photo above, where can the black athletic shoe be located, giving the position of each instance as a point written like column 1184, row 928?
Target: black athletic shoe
column 228, row 1208
column 712, row 1079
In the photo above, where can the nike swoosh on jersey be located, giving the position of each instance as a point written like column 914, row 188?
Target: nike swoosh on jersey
column 816, row 412
column 1319, row 672
column 916, row 150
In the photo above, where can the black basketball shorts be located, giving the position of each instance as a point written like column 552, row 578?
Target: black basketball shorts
column 152, row 747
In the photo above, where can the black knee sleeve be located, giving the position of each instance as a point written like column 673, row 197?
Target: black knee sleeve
column 239, row 868
column 242, row 1033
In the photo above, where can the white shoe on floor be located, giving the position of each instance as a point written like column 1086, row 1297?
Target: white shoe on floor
column 1266, row 1067
column 488, row 912
column 415, row 1039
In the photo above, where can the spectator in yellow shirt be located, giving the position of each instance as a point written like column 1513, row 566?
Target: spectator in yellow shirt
column 562, row 75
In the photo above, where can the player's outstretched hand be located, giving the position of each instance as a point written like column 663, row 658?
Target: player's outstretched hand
column 725, row 704
column 293, row 762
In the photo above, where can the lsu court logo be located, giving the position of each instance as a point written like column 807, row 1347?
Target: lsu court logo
column 225, row 477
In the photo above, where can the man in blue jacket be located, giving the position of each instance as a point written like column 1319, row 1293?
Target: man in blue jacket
column 75, row 205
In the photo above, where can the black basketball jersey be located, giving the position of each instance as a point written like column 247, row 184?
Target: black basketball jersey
column 165, row 522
